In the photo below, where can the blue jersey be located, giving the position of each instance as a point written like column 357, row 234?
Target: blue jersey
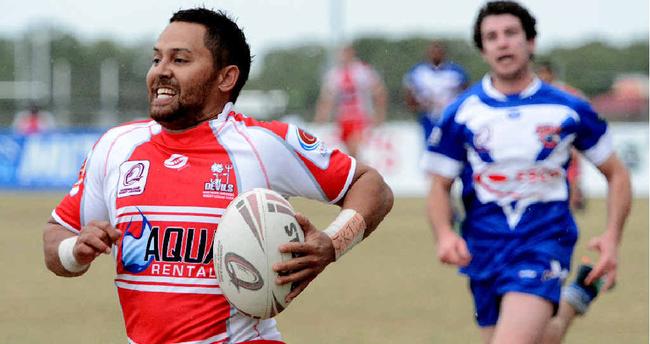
column 434, row 87
column 511, row 153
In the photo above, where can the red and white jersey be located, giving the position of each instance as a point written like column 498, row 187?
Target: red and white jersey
column 167, row 191
column 352, row 86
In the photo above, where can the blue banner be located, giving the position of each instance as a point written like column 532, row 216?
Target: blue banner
column 44, row 161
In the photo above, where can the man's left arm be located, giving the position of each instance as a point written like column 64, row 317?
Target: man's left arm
column 364, row 206
column 619, row 200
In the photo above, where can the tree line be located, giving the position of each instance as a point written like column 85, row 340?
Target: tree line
column 591, row 67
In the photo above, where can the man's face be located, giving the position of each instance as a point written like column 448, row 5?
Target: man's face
column 436, row 53
column 182, row 78
column 505, row 47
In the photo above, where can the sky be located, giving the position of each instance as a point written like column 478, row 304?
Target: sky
column 277, row 23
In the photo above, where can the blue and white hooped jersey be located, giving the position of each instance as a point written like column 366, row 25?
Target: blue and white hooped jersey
column 512, row 153
column 435, row 86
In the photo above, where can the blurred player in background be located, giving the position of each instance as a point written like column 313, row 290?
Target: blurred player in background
column 431, row 85
column 34, row 120
column 356, row 94
column 152, row 192
column 546, row 72
column 509, row 138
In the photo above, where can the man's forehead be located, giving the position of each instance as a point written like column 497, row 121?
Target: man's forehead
column 182, row 36
column 496, row 21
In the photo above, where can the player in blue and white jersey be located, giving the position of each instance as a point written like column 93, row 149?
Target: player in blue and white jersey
column 431, row 85
column 509, row 139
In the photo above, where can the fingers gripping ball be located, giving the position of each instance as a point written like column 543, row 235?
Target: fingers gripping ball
column 246, row 245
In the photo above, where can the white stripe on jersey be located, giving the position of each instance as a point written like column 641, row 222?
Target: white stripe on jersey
column 169, row 288
column 601, row 150
column 171, row 210
column 172, row 280
column 172, row 218
column 213, row 339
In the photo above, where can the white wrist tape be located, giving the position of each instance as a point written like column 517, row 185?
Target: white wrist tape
column 66, row 256
column 346, row 231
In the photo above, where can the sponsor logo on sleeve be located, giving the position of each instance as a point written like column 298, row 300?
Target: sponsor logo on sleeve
column 133, row 178
column 310, row 147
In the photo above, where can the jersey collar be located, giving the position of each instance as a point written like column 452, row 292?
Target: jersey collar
column 492, row 92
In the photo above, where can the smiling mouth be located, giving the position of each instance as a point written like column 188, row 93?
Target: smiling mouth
column 163, row 93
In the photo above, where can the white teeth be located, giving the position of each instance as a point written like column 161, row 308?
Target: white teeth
column 165, row 93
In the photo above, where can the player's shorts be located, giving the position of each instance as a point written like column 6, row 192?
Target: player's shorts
column 528, row 271
column 352, row 127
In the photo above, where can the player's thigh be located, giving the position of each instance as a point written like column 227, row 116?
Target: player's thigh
column 522, row 318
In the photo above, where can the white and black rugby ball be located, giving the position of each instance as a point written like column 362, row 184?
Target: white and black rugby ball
column 246, row 245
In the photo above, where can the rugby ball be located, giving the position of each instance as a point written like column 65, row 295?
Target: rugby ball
column 246, row 245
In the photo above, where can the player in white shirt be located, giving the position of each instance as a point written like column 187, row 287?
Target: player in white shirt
column 431, row 85
column 509, row 138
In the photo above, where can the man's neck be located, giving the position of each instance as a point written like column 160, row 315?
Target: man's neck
column 513, row 85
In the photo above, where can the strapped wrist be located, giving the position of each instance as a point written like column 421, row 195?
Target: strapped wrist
column 66, row 256
column 346, row 231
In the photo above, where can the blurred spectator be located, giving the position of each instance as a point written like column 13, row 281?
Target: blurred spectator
column 33, row 121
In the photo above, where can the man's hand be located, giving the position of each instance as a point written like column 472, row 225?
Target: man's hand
column 95, row 238
column 607, row 264
column 452, row 249
column 312, row 257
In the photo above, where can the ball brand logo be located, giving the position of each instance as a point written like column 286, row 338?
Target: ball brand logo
column 134, row 174
column 242, row 273
column 307, row 141
column 176, row 161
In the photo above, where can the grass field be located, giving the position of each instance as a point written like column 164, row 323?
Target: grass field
column 389, row 289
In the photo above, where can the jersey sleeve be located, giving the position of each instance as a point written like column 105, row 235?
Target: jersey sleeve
column 445, row 151
column 592, row 137
column 303, row 165
column 84, row 201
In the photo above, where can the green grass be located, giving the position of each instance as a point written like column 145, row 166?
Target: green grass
column 389, row 289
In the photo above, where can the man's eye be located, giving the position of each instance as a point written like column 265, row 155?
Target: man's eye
column 155, row 60
column 177, row 60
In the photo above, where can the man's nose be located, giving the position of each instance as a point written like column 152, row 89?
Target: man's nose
column 163, row 69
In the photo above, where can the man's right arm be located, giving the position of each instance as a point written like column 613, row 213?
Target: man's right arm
column 69, row 255
column 451, row 248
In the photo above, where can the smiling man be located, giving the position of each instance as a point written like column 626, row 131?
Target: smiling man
column 509, row 139
column 153, row 192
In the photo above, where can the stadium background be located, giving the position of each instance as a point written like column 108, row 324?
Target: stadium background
column 390, row 289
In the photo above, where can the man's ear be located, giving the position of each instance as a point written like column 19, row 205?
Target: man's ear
column 228, row 77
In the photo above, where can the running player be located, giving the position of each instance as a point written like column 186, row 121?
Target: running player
column 431, row 85
column 509, row 138
column 153, row 192
column 354, row 91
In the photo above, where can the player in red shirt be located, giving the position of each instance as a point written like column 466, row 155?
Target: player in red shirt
column 354, row 91
column 152, row 193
